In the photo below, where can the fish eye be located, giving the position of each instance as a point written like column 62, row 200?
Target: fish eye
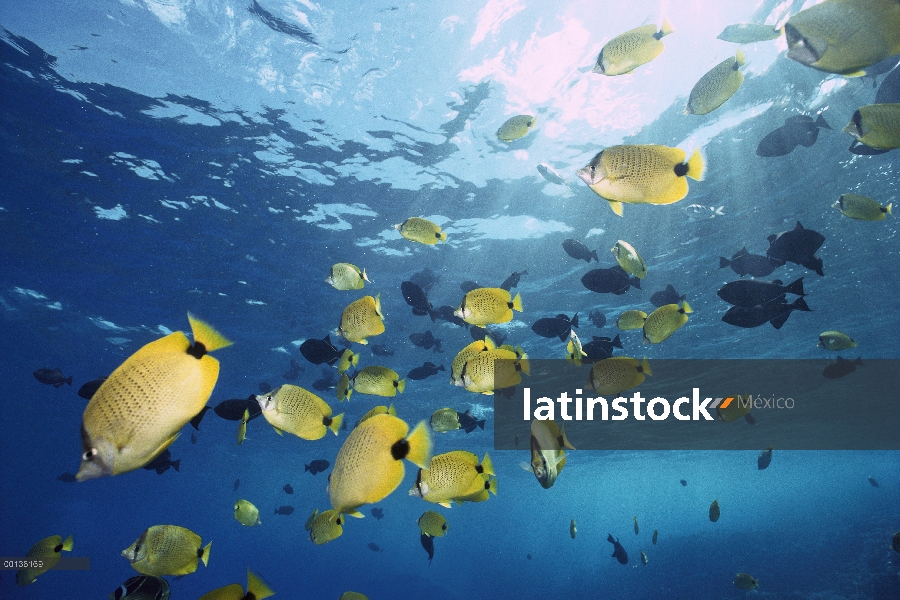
column 89, row 455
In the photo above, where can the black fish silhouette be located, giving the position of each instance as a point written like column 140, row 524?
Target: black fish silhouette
column 425, row 279
column 618, row 551
column 163, row 462
column 377, row 513
column 512, row 281
column 615, row 280
column 799, row 130
column 288, row 489
column 756, row 265
column 559, row 326
column 666, row 296
column 52, row 377
column 317, row 466
column 798, row 246
column 233, row 410
column 284, row 510
column 428, row 544
column 320, row 351
column 599, row 347
column 597, row 318
column 90, row 388
column 579, row 251
column 752, row 292
column 468, row 423
column 425, row 340
column 775, row 312
column 426, row 370
column 841, row 367
column 764, row 459
column 195, row 422
column 417, row 299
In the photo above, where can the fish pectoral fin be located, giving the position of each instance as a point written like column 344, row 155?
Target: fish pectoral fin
column 616, row 207
column 526, row 466
column 445, row 504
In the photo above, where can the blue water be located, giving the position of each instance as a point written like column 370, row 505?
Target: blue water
column 160, row 157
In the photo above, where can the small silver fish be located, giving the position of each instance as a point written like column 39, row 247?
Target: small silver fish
column 699, row 212
column 551, row 175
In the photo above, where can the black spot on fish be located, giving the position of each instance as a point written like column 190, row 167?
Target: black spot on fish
column 681, row 169
column 197, row 350
column 400, row 449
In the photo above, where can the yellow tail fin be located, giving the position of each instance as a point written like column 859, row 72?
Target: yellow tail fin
column 205, row 556
column 492, row 485
column 442, row 236
column 336, row 423
column 256, row 587
column 645, row 367
column 486, row 465
column 517, row 303
column 206, row 335
column 740, row 58
column 666, row 28
column 696, row 166
column 420, row 446
column 686, row 308
column 68, row 544
column 401, row 385
column 525, row 365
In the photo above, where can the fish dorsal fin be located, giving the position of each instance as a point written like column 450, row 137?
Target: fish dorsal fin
column 798, row 226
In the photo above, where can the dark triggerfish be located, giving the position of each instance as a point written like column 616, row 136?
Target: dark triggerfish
column 618, row 551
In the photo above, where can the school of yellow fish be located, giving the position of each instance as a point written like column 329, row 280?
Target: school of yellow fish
column 144, row 404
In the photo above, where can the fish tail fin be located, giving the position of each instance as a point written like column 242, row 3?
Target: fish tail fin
column 696, row 166
column 492, row 485
column 594, row 253
column 366, row 277
column 686, row 308
column 442, row 236
column 887, row 209
column 575, row 318
column 336, row 424
column 176, row 464
column 616, row 208
column 645, row 367
column 204, row 554
column 489, row 344
column 481, row 422
column 70, row 543
column 256, row 587
column 796, row 288
column 780, row 320
column 724, row 262
column 517, row 303
column 69, row 378
column 739, row 59
column 821, row 122
column 617, row 342
column 635, row 282
column 401, row 385
column 206, row 335
column 524, row 364
column 800, row 304
column 420, row 446
column 486, row 465
column 666, row 28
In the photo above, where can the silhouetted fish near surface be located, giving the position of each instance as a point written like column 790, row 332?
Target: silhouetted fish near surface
column 381, row 350
column 468, row 423
column 559, row 326
column 425, row 279
column 445, row 313
column 799, row 130
column 798, row 246
column 284, row 510
column 288, row 489
column 756, row 265
column 841, row 367
column 597, row 318
column 468, row 285
column 163, row 463
column 752, row 292
column 512, row 281
column 775, row 312
column 88, row 390
column 417, row 299
column 666, row 296
column 428, row 544
column 599, row 347
column 578, row 250
column 618, row 551
column 425, row 340
column 615, row 280
column 316, row 466
column 67, row 477
column 378, row 513
column 233, row 410
column 764, row 459
column 52, row 377
column 683, row 482
column 426, row 370
column 374, row 547
column 319, row 351
column 195, row 422
column 873, row 482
